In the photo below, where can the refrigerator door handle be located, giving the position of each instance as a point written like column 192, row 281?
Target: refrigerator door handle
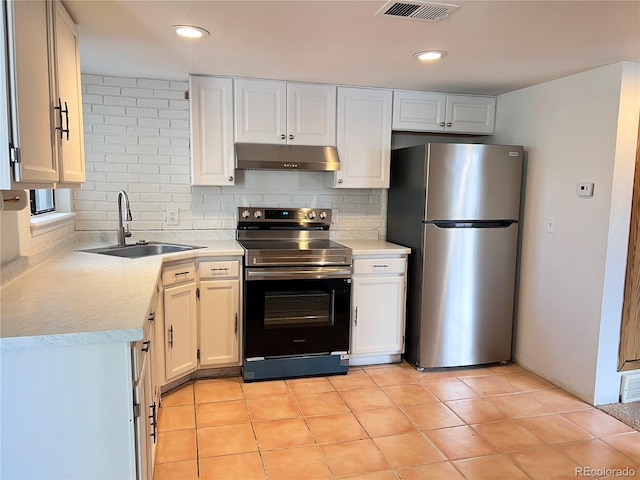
column 472, row 223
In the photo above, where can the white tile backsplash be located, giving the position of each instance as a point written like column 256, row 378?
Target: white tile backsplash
column 137, row 140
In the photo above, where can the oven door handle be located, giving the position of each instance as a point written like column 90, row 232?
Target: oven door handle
column 295, row 273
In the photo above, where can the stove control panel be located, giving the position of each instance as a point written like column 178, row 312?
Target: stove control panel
column 284, row 216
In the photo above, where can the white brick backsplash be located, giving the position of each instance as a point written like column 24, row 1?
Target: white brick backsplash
column 138, row 92
column 103, row 90
column 119, row 81
column 150, row 83
column 124, row 101
column 137, row 136
column 92, row 79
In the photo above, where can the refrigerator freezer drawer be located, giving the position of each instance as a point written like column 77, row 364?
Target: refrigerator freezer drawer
column 467, row 295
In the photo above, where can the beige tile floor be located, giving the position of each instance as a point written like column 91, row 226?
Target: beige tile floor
column 390, row 422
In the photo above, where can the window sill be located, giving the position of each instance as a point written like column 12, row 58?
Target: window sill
column 50, row 221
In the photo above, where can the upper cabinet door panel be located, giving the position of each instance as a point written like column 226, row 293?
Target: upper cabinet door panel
column 418, row 111
column 311, row 118
column 212, row 156
column 260, row 111
column 470, row 114
column 72, row 169
column 363, row 138
column 30, row 38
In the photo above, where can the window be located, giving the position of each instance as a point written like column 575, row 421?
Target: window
column 42, row 201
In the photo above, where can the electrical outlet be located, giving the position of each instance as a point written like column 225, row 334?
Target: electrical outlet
column 172, row 216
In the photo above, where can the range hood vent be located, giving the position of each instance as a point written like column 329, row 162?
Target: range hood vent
column 257, row 156
column 427, row 11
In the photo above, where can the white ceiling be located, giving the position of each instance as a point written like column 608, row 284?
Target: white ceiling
column 493, row 46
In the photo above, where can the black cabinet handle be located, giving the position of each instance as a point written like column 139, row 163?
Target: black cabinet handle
column 171, row 336
column 154, row 421
column 66, row 114
column 146, row 344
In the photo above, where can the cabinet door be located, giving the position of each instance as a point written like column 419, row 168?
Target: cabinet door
column 363, row 138
column 145, row 421
column 71, row 143
column 311, row 114
column 378, row 315
column 418, row 111
column 470, row 114
column 219, row 322
column 180, row 330
column 212, row 156
column 260, row 111
column 30, row 38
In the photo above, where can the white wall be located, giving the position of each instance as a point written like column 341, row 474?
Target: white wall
column 137, row 139
column 607, row 376
column 570, row 130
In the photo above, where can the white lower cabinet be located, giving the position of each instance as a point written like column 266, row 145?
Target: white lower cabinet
column 378, row 299
column 180, row 320
column 219, row 310
column 145, row 407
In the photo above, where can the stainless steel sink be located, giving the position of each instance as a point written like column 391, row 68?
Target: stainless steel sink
column 140, row 249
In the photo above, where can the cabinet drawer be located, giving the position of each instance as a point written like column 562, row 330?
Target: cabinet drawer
column 224, row 269
column 379, row 265
column 176, row 274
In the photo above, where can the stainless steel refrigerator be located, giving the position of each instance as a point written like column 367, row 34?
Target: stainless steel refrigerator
column 457, row 207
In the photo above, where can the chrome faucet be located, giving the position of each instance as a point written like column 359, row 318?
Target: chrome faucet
column 122, row 234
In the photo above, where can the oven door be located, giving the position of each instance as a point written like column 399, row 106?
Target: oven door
column 296, row 311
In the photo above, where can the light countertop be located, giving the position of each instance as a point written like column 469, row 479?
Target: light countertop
column 77, row 298
column 374, row 247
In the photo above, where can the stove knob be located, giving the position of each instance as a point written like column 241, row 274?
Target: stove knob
column 311, row 215
column 323, row 215
column 246, row 214
column 257, row 214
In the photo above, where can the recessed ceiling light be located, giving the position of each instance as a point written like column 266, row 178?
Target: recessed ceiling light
column 430, row 55
column 190, row 31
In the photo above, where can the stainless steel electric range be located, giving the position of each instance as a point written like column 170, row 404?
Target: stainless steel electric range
column 296, row 294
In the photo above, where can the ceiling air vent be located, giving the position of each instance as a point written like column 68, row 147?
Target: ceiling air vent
column 428, row 11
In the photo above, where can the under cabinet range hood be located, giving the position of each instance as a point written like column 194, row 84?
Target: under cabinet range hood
column 261, row 156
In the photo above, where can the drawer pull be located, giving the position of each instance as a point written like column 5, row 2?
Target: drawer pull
column 381, row 266
column 178, row 274
column 214, row 270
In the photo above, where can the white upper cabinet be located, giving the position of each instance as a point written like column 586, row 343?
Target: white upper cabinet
column 268, row 111
column 311, row 114
column 470, row 114
column 69, row 127
column 212, row 155
column 45, row 95
column 418, row 111
column 440, row 112
column 30, row 49
column 363, row 137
